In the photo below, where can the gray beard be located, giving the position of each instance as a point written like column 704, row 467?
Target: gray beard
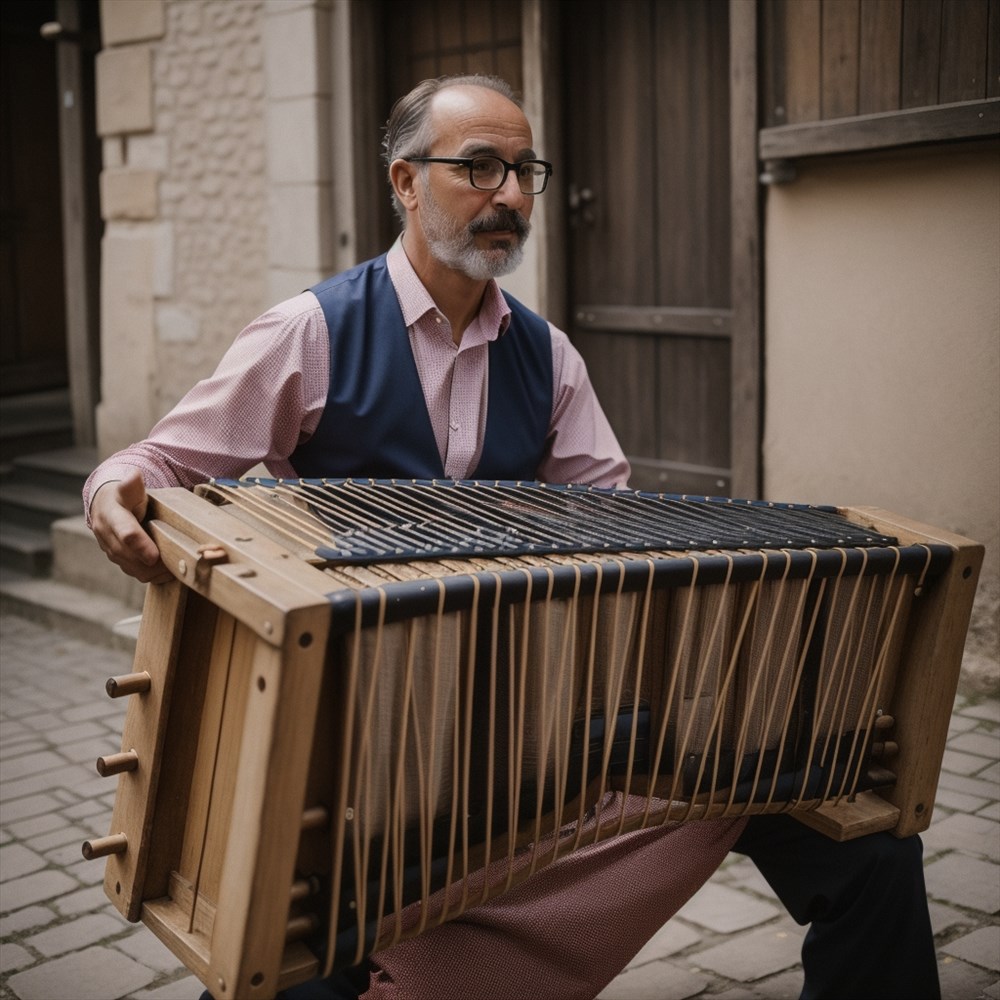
column 456, row 247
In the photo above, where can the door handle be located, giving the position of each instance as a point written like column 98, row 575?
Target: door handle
column 580, row 201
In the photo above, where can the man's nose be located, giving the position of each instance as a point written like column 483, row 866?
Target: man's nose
column 509, row 194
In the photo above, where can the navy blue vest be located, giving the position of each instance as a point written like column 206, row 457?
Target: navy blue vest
column 375, row 423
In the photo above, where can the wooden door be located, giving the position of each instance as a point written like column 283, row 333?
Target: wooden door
column 33, row 355
column 651, row 133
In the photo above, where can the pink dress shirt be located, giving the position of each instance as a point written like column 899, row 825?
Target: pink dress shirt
column 268, row 393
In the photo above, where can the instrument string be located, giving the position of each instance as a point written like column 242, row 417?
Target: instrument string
column 760, row 676
column 372, row 519
column 793, row 659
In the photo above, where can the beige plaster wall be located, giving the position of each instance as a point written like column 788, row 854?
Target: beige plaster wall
column 882, row 299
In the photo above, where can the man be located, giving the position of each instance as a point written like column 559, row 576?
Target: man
column 416, row 365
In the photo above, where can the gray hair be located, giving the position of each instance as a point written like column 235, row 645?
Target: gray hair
column 408, row 130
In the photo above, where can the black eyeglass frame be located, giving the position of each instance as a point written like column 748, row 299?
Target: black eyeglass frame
column 468, row 161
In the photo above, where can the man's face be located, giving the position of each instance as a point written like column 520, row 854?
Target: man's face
column 480, row 233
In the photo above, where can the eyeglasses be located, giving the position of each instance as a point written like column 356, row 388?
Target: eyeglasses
column 489, row 173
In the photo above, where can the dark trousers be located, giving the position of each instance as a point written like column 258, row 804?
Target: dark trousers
column 346, row 985
column 870, row 936
column 870, row 933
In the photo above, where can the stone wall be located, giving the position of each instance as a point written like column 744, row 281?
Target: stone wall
column 182, row 112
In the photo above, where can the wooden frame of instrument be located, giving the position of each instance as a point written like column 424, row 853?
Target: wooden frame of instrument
column 242, row 612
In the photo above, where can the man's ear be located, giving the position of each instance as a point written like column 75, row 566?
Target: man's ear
column 403, row 176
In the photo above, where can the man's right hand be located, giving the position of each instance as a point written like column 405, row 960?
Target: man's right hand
column 116, row 511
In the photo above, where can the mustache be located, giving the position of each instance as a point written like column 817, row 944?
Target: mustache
column 504, row 219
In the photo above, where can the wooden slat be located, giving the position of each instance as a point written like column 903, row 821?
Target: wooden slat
column 259, row 862
column 993, row 50
column 177, row 776
column 206, row 744
column 925, row 693
column 507, row 62
column 618, row 363
column 654, row 319
column 971, row 120
column 208, row 524
column 840, row 58
column 365, row 95
column 803, row 62
column 694, row 380
column 963, row 51
column 144, row 731
column 80, row 224
column 224, row 763
column 745, row 354
column 717, row 243
column 879, row 57
column 622, row 259
column 772, row 62
column 168, row 922
column 478, row 29
column 225, row 588
column 691, row 125
column 829, row 59
column 448, row 19
column 586, row 155
column 419, row 27
column 921, row 47
column 868, row 813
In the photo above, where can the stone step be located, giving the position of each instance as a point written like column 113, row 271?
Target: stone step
column 62, row 469
column 92, row 617
column 25, row 550
column 35, row 506
column 78, row 561
column 36, row 421
column 35, row 490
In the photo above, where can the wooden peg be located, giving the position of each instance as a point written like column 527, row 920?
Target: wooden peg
column 117, row 843
column 885, row 722
column 208, row 556
column 315, row 817
column 879, row 777
column 302, row 926
column 303, row 888
column 127, row 684
column 116, row 763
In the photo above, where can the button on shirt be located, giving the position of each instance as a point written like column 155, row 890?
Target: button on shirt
column 269, row 390
column 454, row 376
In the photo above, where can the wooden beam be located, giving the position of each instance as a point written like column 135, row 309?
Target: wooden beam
column 747, row 377
column 884, row 130
column 654, row 319
column 80, row 225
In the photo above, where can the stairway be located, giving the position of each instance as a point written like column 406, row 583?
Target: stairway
column 51, row 569
column 34, row 421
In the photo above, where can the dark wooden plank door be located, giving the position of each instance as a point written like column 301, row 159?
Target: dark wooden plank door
column 33, row 353
column 650, row 232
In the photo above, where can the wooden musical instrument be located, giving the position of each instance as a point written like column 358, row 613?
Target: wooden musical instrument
column 363, row 707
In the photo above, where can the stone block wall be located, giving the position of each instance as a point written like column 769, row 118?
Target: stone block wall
column 183, row 115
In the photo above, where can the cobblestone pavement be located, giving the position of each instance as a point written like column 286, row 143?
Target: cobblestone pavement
column 61, row 938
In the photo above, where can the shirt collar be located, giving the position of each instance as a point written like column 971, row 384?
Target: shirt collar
column 416, row 302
